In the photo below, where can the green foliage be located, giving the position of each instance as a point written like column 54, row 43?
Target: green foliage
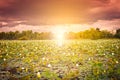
column 87, row 34
column 50, row 75
column 75, row 60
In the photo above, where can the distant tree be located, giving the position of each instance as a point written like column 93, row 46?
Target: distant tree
column 98, row 29
column 17, row 34
column 87, row 34
column 2, row 35
column 106, row 34
column 118, row 31
column 11, row 35
column 117, row 35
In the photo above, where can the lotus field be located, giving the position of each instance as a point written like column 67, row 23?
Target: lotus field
column 53, row 60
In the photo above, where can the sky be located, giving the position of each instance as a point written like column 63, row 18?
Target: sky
column 71, row 15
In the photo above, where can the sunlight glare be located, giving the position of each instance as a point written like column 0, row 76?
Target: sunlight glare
column 59, row 35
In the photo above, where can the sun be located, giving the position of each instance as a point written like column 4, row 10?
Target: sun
column 59, row 35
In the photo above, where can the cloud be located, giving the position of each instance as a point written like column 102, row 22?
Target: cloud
column 44, row 12
column 110, row 10
column 6, row 3
column 110, row 25
column 46, row 28
column 23, row 27
column 107, row 24
column 3, row 23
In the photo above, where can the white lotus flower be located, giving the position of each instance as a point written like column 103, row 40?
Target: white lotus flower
column 49, row 65
column 77, row 65
column 112, row 53
column 43, row 58
column 4, row 59
column 38, row 74
column 89, row 59
column 117, row 62
column 22, row 68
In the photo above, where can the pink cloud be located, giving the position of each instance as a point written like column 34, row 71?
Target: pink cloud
column 107, row 24
column 6, row 3
column 110, row 25
column 23, row 27
column 113, row 5
column 3, row 23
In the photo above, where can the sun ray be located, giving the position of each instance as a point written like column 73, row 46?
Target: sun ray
column 59, row 35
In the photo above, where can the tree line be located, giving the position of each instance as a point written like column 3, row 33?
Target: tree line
column 87, row 34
